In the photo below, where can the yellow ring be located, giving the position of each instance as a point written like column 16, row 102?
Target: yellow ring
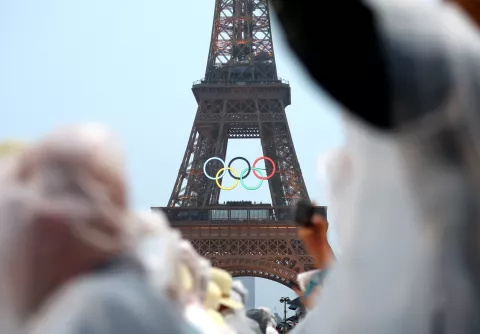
column 234, row 172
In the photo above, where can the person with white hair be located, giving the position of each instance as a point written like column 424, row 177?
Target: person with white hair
column 156, row 245
column 271, row 323
column 176, row 269
column 265, row 319
column 237, row 318
column 63, row 241
column 196, row 274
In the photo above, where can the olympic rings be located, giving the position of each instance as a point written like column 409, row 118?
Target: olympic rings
column 233, row 173
column 205, row 166
column 239, row 158
column 242, row 177
column 217, row 179
column 266, row 177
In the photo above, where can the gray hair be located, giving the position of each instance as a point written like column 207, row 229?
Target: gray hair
column 239, row 288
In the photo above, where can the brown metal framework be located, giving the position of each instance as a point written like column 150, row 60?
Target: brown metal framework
column 241, row 97
column 249, row 240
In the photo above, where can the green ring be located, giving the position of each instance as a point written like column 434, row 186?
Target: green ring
column 247, row 187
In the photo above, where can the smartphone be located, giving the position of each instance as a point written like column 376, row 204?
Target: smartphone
column 304, row 212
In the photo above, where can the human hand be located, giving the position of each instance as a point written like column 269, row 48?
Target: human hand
column 315, row 240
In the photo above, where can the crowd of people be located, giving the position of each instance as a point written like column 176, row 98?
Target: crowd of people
column 76, row 258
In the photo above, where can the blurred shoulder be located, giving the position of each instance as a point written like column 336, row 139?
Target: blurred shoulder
column 113, row 301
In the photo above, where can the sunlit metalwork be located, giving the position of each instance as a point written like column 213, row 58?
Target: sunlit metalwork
column 241, row 96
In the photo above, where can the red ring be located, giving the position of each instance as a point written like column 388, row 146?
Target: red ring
column 264, row 177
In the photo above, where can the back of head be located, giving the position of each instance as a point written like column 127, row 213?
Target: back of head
column 239, row 292
column 78, row 173
column 155, row 245
column 70, row 186
column 149, row 224
column 261, row 317
column 62, row 212
column 204, row 277
column 272, row 321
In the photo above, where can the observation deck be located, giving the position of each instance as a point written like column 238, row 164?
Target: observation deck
column 244, row 220
column 242, row 90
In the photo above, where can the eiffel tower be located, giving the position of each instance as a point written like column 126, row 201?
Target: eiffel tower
column 241, row 96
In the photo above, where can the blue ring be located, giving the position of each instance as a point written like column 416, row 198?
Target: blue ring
column 205, row 166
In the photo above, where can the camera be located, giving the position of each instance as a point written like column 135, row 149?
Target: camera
column 304, row 212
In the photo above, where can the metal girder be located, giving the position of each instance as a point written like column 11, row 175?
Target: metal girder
column 241, row 47
column 277, row 259
column 287, row 186
column 220, row 119
column 241, row 97
column 228, row 234
column 268, row 249
column 267, row 268
column 241, row 91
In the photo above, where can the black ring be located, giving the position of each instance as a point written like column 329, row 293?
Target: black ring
column 230, row 165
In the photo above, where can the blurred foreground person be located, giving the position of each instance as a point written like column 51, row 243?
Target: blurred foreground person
column 177, row 270
column 231, row 306
column 237, row 318
column 200, row 307
column 271, row 323
column 265, row 320
column 336, row 171
column 10, row 322
column 10, row 150
column 212, row 304
column 410, row 70
column 63, row 241
column 310, row 284
column 170, row 263
column 157, row 247
column 195, row 276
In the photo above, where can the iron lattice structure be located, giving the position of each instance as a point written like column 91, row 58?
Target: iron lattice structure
column 241, row 96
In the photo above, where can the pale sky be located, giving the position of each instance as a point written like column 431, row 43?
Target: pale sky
column 130, row 65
